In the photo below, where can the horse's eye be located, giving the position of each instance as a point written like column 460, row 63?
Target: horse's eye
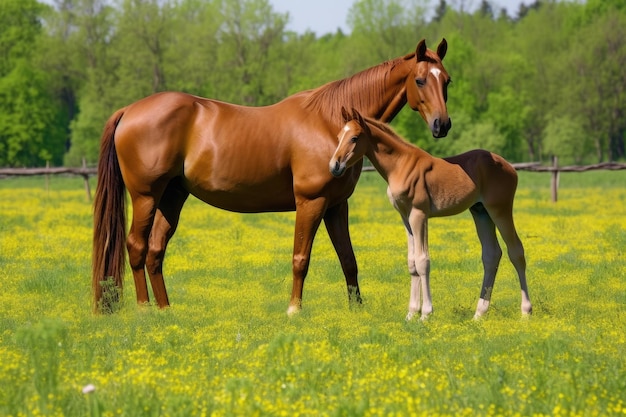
column 353, row 139
column 420, row 82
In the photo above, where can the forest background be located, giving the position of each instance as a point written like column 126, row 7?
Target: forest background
column 547, row 79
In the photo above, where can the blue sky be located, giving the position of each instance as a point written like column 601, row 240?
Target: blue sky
column 324, row 16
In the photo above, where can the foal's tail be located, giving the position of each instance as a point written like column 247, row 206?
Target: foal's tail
column 109, row 224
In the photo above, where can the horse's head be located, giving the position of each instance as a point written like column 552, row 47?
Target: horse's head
column 427, row 88
column 350, row 149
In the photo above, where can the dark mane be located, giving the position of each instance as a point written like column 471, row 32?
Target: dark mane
column 357, row 91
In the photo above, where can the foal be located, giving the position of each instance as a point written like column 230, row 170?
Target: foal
column 422, row 186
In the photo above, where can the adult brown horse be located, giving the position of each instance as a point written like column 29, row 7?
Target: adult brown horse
column 244, row 159
column 422, row 186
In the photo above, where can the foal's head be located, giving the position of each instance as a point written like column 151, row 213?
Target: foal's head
column 427, row 88
column 352, row 145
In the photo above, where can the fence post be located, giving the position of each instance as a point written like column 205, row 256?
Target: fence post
column 554, row 183
column 47, row 177
column 86, row 178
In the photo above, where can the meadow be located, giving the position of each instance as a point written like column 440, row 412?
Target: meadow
column 226, row 347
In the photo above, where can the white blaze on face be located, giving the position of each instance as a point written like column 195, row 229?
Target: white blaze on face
column 435, row 72
column 345, row 130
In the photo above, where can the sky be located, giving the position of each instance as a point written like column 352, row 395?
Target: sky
column 325, row 16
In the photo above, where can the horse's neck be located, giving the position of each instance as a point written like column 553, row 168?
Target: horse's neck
column 377, row 92
column 386, row 149
column 394, row 92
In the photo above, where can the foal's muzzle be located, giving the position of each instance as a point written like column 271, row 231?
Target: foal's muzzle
column 336, row 168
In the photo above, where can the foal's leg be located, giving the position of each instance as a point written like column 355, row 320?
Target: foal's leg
column 163, row 228
column 308, row 218
column 415, row 299
column 491, row 255
column 144, row 208
column 336, row 221
column 420, row 275
column 515, row 250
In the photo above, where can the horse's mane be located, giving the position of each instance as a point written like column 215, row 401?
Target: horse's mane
column 357, row 91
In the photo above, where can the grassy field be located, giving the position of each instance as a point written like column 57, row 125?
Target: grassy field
column 226, row 346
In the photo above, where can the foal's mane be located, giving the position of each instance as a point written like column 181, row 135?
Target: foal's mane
column 357, row 91
column 387, row 129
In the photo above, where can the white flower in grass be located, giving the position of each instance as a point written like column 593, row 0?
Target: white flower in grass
column 89, row 388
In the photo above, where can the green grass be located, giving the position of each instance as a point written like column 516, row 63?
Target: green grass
column 226, row 346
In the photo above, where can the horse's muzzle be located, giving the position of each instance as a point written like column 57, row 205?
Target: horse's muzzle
column 440, row 128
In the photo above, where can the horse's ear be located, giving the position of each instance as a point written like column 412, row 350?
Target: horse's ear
column 442, row 48
column 420, row 51
column 345, row 115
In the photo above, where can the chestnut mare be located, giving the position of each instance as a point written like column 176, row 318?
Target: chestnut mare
column 244, row 159
column 422, row 186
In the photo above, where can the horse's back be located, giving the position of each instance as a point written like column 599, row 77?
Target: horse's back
column 234, row 157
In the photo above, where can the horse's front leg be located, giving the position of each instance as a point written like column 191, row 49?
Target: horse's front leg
column 309, row 214
column 420, row 274
column 336, row 221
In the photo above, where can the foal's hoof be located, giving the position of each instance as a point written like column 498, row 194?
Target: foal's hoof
column 411, row 314
column 293, row 310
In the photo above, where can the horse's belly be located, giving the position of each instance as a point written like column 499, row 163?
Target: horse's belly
column 246, row 197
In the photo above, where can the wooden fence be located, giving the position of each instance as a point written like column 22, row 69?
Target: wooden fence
column 86, row 172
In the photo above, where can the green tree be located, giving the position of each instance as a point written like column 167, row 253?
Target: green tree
column 29, row 115
column 590, row 76
column 84, row 29
column 565, row 137
column 191, row 61
column 143, row 37
column 386, row 28
column 250, row 47
column 481, row 135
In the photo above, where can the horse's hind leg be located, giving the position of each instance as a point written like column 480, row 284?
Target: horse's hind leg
column 491, row 255
column 144, row 207
column 336, row 221
column 163, row 228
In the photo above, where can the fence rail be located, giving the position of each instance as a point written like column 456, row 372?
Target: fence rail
column 86, row 172
column 23, row 172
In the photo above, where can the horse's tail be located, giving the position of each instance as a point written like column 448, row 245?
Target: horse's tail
column 109, row 224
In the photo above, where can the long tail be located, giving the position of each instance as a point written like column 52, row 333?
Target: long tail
column 109, row 224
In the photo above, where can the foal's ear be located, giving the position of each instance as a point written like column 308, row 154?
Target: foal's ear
column 442, row 48
column 420, row 51
column 357, row 116
column 345, row 115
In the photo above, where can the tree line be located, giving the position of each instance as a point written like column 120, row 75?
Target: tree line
column 547, row 79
